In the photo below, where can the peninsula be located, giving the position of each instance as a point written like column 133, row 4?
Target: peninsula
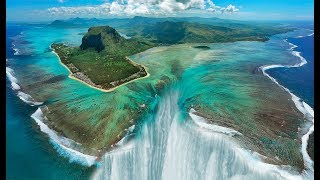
column 101, row 60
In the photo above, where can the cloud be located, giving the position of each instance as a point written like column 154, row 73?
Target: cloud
column 229, row 9
column 61, row 1
column 212, row 7
column 141, row 7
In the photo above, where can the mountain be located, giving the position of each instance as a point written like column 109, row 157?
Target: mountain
column 60, row 23
column 78, row 22
column 169, row 32
column 108, row 40
column 100, row 37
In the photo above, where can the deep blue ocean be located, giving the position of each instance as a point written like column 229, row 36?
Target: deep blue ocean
column 299, row 80
column 29, row 155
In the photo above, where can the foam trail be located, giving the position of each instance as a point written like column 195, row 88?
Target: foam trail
column 61, row 143
column 181, row 150
column 16, row 50
column 306, row 35
column 19, row 46
column 125, row 138
column 311, row 34
column 23, row 96
column 201, row 122
column 28, row 99
column 293, row 46
column 303, row 107
column 12, row 79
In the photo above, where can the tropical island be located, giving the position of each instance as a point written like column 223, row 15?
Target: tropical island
column 167, row 89
column 102, row 62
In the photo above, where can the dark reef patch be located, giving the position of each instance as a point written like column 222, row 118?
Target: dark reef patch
column 202, row 47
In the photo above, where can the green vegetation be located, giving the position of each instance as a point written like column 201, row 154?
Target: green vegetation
column 101, row 59
column 169, row 32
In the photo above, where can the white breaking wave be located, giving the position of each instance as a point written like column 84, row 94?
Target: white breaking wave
column 201, row 122
column 293, row 46
column 19, row 47
column 125, row 138
column 12, row 79
column 15, row 86
column 303, row 107
column 171, row 149
column 61, row 143
column 28, row 99
column 311, row 34
column 303, row 60
column 16, row 50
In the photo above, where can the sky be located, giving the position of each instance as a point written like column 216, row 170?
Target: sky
column 47, row 10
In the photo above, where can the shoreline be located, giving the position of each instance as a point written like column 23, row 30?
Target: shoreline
column 201, row 123
column 62, row 144
column 100, row 89
column 301, row 105
column 16, row 87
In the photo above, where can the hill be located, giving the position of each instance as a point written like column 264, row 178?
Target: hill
column 170, row 32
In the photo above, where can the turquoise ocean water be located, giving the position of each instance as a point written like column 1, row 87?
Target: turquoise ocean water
column 28, row 151
column 30, row 60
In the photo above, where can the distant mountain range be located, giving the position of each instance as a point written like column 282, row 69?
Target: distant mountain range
column 139, row 20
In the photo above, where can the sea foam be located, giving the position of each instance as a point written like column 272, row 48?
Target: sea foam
column 302, row 106
column 201, row 122
column 169, row 149
column 61, row 143
column 311, row 34
column 28, row 99
column 15, row 86
column 12, row 79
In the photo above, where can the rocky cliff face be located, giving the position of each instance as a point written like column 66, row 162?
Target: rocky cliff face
column 92, row 41
column 99, row 37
